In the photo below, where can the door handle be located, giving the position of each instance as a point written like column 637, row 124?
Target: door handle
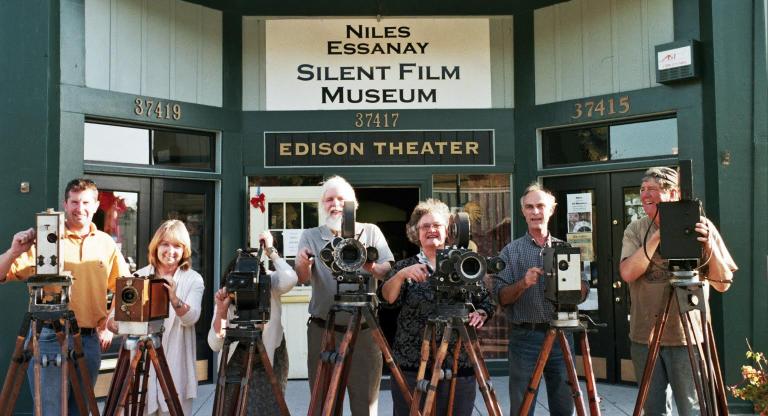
column 617, row 284
column 617, row 299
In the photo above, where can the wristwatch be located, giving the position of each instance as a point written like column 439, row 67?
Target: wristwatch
column 270, row 251
column 178, row 304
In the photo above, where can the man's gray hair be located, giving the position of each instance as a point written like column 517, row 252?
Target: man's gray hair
column 339, row 183
column 534, row 187
column 666, row 177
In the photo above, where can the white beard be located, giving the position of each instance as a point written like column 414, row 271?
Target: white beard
column 334, row 223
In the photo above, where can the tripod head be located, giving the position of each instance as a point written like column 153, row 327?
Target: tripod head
column 49, row 294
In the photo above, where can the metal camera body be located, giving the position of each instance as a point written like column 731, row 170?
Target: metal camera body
column 49, row 288
column 249, row 286
column 677, row 228
column 458, row 270
column 141, row 305
column 345, row 256
column 562, row 284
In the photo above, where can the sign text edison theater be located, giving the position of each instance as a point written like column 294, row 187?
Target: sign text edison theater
column 379, row 148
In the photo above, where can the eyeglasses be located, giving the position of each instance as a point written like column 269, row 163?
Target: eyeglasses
column 433, row 226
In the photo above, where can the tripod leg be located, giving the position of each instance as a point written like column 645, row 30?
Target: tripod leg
column 37, row 369
column 472, row 346
column 157, row 356
column 442, row 351
column 334, row 399
column 242, row 398
column 381, row 341
column 722, row 401
column 570, row 368
column 130, row 383
column 118, row 381
column 19, row 363
column 221, row 381
column 276, row 388
column 653, row 354
column 454, row 370
column 64, row 343
column 426, row 341
column 698, row 373
column 594, row 401
column 328, row 349
column 85, row 375
column 538, row 370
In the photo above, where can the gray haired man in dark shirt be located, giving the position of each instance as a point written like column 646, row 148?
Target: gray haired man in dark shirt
column 520, row 291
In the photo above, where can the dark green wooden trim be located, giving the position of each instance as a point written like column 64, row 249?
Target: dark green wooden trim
column 232, row 61
column 123, row 170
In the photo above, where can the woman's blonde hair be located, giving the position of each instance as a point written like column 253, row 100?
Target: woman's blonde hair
column 435, row 207
column 173, row 231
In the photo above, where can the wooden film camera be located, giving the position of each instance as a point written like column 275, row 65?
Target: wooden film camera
column 140, row 299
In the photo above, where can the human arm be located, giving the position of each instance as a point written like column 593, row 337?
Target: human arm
column 381, row 267
column 21, row 243
column 484, row 309
column 284, row 278
column 510, row 294
column 117, row 268
column 188, row 307
column 635, row 258
column 720, row 264
column 305, row 259
column 221, row 315
column 392, row 288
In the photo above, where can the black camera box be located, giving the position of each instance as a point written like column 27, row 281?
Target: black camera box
column 677, row 223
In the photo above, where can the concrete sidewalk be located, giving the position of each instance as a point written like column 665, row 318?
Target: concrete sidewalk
column 615, row 399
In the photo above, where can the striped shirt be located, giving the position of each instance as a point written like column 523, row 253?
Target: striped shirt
column 519, row 256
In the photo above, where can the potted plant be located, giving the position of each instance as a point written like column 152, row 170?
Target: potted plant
column 754, row 385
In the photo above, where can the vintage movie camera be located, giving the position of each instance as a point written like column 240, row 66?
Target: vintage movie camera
column 458, row 270
column 141, row 304
column 562, row 284
column 346, row 255
column 677, row 227
column 249, row 286
column 49, row 288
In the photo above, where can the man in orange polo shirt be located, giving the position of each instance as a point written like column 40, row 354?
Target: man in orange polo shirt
column 95, row 263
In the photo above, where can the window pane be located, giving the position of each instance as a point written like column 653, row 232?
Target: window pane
column 633, row 207
column 564, row 147
column 105, row 143
column 117, row 216
column 649, row 138
column 275, row 212
column 190, row 209
column 293, row 215
column 310, row 215
column 182, row 149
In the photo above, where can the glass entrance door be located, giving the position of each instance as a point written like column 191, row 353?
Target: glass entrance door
column 592, row 213
column 131, row 209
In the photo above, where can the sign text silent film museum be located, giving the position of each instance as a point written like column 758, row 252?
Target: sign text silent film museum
column 408, row 148
column 363, row 63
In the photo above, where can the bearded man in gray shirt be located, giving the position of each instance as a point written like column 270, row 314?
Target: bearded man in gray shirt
column 365, row 369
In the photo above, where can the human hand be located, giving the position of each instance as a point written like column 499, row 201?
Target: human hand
column 170, row 285
column 532, row 276
column 477, row 318
column 222, row 300
column 266, row 238
column 22, row 241
column 416, row 273
column 702, row 227
column 105, row 338
column 305, row 258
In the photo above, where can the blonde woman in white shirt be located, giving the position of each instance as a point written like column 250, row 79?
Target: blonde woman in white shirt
column 261, row 400
column 170, row 259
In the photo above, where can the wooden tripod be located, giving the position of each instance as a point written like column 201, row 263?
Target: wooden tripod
column 132, row 375
column 250, row 336
column 333, row 367
column 467, row 339
column 573, row 379
column 702, row 353
column 66, row 360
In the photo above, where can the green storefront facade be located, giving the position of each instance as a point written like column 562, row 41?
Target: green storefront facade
column 556, row 71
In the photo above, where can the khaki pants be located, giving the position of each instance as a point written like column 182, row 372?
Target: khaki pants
column 364, row 374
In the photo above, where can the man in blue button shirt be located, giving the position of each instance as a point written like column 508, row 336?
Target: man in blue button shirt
column 520, row 291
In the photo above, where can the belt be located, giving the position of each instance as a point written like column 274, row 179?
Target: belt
column 338, row 328
column 83, row 331
column 532, row 326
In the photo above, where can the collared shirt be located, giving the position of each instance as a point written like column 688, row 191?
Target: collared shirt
column 322, row 280
column 519, row 256
column 95, row 263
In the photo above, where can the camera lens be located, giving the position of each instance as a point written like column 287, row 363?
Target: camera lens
column 562, row 265
column 51, row 237
column 129, row 295
column 350, row 254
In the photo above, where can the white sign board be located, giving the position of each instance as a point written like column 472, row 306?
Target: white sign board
column 674, row 58
column 331, row 64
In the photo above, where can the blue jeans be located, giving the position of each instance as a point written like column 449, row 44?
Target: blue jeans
column 672, row 369
column 50, row 377
column 524, row 348
column 464, row 397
